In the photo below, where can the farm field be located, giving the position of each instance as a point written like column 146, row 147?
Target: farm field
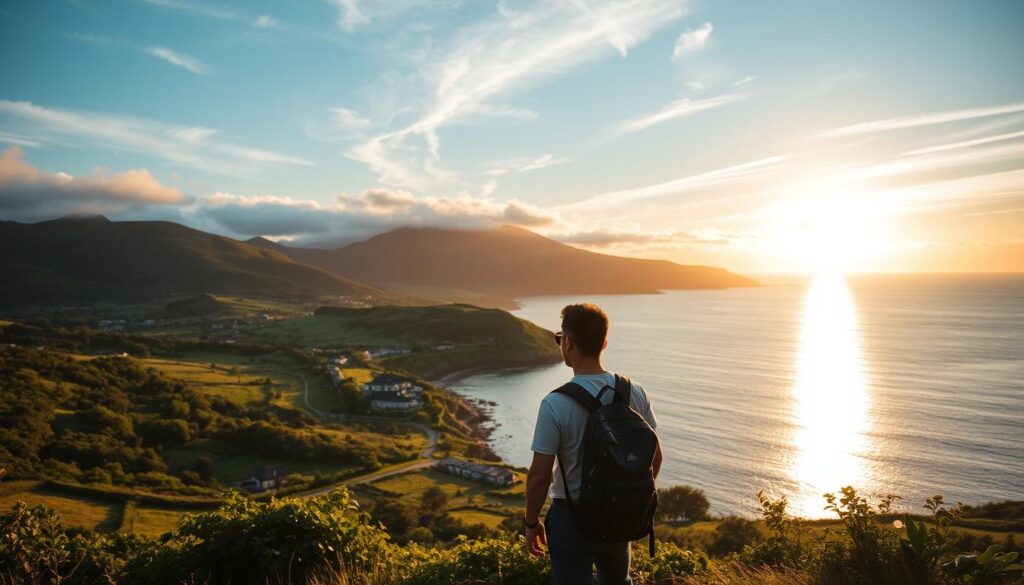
column 78, row 511
column 461, row 491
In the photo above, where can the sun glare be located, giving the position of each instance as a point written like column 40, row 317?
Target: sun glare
column 830, row 396
column 828, row 229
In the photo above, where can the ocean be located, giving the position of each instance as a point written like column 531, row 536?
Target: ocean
column 910, row 385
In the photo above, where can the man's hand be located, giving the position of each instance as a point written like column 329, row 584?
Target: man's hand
column 538, row 480
column 535, row 537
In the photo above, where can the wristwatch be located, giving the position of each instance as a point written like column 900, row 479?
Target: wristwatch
column 531, row 526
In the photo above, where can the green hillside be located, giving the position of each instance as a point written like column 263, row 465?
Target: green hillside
column 481, row 337
column 83, row 260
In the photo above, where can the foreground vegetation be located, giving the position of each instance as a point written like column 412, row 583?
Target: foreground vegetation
column 330, row 540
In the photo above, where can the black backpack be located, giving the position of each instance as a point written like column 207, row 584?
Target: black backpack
column 617, row 496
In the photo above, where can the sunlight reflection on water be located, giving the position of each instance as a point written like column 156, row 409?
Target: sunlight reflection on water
column 831, row 401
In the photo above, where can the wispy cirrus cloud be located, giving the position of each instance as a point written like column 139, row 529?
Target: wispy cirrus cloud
column 210, row 10
column 191, row 146
column 692, row 41
column 495, row 57
column 353, row 14
column 180, row 60
column 967, row 143
column 917, row 120
column 523, row 165
column 690, row 183
column 678, row 109
column 26, row 193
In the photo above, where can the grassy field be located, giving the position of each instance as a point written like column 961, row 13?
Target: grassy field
column 461, row 491
column 482, row 337
column 246, row 386
column 154, row 522
column 229, row 468
column 75, row 511
column 488, row 518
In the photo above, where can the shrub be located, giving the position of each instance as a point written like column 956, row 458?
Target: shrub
column 682, row 502
column 732, row 534
column 245, row 541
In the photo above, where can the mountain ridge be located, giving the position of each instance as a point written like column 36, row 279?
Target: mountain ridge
column 85, row 259
column 507, row 262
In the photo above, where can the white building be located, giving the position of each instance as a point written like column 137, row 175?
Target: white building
column 498, row 476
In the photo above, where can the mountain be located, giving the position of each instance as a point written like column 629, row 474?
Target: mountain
column 506, row 262
column 86, row 259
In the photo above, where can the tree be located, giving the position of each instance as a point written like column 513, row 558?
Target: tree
column 397, row 516
column 433, row 505
column 682, row 503
column 350, row 395
column 434, row 499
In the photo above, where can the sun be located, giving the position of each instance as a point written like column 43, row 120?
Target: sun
column 828, row 229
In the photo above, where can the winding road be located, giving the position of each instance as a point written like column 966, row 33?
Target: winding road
column 426, row 456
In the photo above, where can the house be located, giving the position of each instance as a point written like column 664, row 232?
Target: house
column 387, row 383
column 393, row 401
column 498, row 476
column 265, row 478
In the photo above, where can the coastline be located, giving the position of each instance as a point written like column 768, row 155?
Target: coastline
column 484, row 408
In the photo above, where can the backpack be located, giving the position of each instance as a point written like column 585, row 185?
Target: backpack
column 617, row 496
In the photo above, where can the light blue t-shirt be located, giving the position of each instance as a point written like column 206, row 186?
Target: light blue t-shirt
column 561, row 422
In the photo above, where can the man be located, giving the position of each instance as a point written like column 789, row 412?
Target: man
column 557, row 437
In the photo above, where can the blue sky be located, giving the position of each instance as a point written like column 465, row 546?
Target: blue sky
column 763, row 136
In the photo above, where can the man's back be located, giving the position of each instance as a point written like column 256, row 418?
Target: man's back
column 561, row 422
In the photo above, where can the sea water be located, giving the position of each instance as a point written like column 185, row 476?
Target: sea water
column 906, row 385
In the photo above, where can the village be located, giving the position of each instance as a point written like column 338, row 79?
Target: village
column 388, row 393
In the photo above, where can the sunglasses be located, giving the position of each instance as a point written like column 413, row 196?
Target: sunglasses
column 558, row 338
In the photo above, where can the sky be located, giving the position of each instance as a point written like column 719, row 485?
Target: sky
column 758, row 136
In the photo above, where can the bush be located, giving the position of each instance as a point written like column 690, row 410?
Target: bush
column 682, row 502
column 246, row 541
column 732, row 534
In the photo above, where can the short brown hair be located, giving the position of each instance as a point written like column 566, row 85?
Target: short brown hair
column 587, row 326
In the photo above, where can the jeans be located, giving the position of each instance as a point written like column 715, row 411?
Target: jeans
column 573, row 557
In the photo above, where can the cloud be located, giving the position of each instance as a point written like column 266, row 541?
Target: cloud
column 678, row 109
column 962, row 192
column 346, row 121
column 177, row 59
column 519, row 213
column 268, row 215
column 191, row 146
column 353, row 14
column 499, row 55
column 19, row 140
column 354, row 217
column 28, row 193
column 922, row 120
column 523, row 165
column 634, row 238
column 265, row 21
column 743, row 171
column 217, row 12
column 966, row 143
column 692, row 41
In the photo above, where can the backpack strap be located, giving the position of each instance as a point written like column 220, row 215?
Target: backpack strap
column 587, row 400
column 577, row 393
column 623, row 389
